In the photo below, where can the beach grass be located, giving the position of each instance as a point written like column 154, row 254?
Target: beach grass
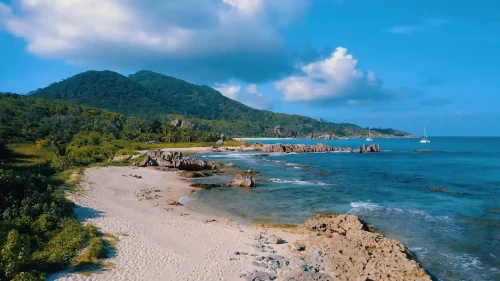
column 99, row 247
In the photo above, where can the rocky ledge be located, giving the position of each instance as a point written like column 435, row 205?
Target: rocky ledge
column 346, row 248
column 320, row 147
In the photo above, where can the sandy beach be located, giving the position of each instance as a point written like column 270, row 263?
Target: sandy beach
column 165, row 242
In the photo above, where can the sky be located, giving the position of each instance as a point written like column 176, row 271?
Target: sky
column 390, row 63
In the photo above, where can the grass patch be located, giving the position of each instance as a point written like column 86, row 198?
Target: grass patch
column 26, row 154
column 100, row 246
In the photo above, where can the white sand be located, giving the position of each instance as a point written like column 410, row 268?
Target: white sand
column 164, row 242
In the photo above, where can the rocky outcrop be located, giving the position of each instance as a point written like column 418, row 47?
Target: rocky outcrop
column 172, row 159
column 370, row 148
column 243, row 182
column 184, row 124
column 320, row 147
column 176, row 123
column 278, row 130
column 349, row 249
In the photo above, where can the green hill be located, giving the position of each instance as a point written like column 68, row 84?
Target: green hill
column 155, row 96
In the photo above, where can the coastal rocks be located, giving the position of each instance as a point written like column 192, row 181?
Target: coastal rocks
column 216, row 165
column 243, row 182
column 172, row 159
column 320, row 147
column 350, row 249
column 370, row 148
column 191, row 164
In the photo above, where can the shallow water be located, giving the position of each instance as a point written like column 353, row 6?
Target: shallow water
column 455, row 234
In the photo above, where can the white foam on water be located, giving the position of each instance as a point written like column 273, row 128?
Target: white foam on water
column 299, row 182
column 231, row 155
column 281, row 153
column 365, row 205
column 360, row 207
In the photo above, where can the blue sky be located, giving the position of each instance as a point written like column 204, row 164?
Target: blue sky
column 400, row 64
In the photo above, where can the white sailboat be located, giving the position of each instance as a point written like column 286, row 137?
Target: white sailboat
column 425, row 140
column 369, row 136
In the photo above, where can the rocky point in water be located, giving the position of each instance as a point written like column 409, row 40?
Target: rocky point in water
column 349, row 249
column 320, row 147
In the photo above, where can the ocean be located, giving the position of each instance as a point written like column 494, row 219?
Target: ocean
column 444, row 205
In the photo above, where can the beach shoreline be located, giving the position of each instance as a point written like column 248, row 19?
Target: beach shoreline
column 169, row 241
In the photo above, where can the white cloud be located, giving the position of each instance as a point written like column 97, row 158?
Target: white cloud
column 175, row 35
column 425, row 25
column 250, row 96
column 246, row 6
column 229, row 91
column 335, row 78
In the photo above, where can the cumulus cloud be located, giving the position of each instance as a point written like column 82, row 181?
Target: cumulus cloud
column 336, row 79
column 211, row 39
column 250, row 96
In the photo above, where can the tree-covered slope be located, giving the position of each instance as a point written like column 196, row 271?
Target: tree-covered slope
column 104, row 89
column 153, row 95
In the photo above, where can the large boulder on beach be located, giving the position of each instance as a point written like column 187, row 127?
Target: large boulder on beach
column 144, row 162
column 352, row 250
column 191, row 164
column 172, row 159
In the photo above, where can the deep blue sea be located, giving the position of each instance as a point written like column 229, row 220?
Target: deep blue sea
column 456, row 236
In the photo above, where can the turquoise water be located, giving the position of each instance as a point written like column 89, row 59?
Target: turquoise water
column 456, row 235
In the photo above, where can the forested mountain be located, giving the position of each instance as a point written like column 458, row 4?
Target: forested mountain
column 155, row 96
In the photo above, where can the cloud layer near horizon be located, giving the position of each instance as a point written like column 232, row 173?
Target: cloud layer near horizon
column 211, row 40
